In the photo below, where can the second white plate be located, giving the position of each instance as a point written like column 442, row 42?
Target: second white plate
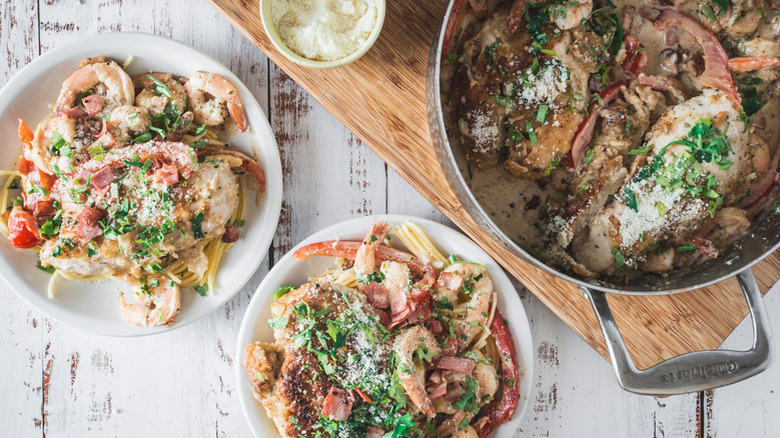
column 93, row 307
column 290, row 271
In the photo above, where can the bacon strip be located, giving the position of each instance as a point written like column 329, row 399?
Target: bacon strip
column 87, row 226
column 454, row 392
column 664, row 83
column 92, row 104
column 230, row 235
column 102, row 178
column 716, row 63
column 515, row 15
column 338, row 404
column 457, row 364
column 374, row 432
column 754, row 63
column 585, row 133
column 440, row 390
column 377, row 295
column 167, row 175
column 74, row 113
column 452, row 25
column 636, row 57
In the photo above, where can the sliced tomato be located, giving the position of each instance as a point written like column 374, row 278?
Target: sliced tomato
column 23, row 230
column 500, row 410
column 26, row 135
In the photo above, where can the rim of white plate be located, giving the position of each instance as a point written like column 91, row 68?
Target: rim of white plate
column 93, row 307
column 289, row 270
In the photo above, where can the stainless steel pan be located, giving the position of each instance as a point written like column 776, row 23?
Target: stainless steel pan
column 689, row 372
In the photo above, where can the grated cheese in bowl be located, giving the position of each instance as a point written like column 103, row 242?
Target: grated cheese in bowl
column 324, row 30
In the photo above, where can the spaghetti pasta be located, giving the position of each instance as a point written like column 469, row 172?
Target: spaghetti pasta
column 125, row 202
column 435, row 312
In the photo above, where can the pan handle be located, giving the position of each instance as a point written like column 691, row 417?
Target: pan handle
column 696, row 371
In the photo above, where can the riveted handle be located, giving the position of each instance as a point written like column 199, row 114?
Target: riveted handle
column 696, row 371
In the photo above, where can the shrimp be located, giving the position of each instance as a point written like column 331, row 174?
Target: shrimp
column 754, row 63
column 108, row 78
column 365, row 259
column 411, row 373
column 262, row 362
column 160, row 89
column 46, row 133
column 570, row 15
column 486, row 376
column 398, row 282
column 158, row 307
column 477, row 284
column 212, row 111
column 128, row 122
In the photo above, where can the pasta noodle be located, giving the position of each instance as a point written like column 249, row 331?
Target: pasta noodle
column 178, row 272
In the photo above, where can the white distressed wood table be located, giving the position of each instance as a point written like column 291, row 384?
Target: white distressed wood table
column 58, row 382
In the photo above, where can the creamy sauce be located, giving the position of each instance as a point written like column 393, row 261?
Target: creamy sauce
column 519, row 206
column 324, row 30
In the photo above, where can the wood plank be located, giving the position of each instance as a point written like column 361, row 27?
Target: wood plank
column 381, row 98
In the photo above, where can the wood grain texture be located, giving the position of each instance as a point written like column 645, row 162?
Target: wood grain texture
column 381, row 98
column 182, row 383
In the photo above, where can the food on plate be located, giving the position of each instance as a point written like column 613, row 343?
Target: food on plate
column 617, row 138
column 127, row 179
column 389, row 342
column 324, row 30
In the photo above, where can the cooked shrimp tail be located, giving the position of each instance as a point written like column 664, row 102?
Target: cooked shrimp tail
column 412, row 374
column 118, row 87
column 210, row 111
column 158, row 306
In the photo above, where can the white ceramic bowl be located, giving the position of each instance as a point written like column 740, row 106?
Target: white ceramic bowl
column 290, row 271
column 276, row 39
column 93, row 307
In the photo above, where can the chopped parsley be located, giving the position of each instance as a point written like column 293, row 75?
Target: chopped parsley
column 620, row 259
column 282, row 291
column 277, row 323
column 202, row 289
column 196, row 225
column 159, row 87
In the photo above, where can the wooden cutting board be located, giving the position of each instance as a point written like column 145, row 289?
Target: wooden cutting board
column 381, row 98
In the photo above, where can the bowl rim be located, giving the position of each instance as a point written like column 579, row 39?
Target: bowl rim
column 272, row 32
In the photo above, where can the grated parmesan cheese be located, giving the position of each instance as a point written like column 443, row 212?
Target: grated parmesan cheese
column 543, row 86
column 324, row 30
column 657, row 209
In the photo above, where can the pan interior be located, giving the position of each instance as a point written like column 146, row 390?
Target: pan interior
column 762, row 238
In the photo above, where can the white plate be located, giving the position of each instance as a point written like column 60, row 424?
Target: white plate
column 93, row 307
column 290, row 271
